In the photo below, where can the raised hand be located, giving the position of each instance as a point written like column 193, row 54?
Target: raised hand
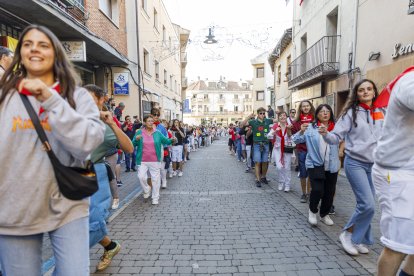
column 37, row 88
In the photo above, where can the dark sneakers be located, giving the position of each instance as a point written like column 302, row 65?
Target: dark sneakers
column 303, row 198
column 127, row 170
column 264, row 180
column 258, row 184
column 332, row 211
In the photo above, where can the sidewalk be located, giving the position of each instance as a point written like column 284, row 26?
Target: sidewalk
column 214, row 221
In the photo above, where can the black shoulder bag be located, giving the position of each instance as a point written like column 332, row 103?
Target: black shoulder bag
column 74, row 183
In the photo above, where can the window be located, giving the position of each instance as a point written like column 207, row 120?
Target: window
column 260, row 95
column 246, row 96
column 236, row 97
column 155, row 19
column 157, row 70
column 144, row 5
column 236, row 108
column 165, row 77
column 288, row 60
column 175, row 86
column 169, row 43
column 110, row 9
column 171, row 82
column 279, row 74
column 221, row 96
column 221, row 108
column 205, row 96
column 146, row 61
column 260, row 72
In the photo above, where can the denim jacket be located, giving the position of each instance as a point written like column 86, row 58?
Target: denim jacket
column 314, row 158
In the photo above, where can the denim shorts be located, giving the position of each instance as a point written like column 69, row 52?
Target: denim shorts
column 303, row 173
column 263, row 155
column 119, row 161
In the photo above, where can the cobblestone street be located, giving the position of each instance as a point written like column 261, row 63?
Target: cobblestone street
column 214, row 221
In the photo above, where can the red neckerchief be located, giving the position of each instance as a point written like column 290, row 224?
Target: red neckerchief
column 26, row 92
column 383, row 99
column 367, row 107
column 331, row 125
column 157, row 123
column 306, row 118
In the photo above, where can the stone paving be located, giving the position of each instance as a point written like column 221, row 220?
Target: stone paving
column 214, row 221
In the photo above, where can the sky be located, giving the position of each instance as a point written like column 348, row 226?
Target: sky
column 244, row 29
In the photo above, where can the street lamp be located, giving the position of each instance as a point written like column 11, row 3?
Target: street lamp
column 210, row 38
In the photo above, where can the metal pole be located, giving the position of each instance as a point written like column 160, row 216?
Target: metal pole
column 139, row 65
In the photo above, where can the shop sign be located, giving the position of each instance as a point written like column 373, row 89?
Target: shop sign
column 75, row 50
column 121, row 83
column 311, row 92
column 187, row 106
column 401, row 50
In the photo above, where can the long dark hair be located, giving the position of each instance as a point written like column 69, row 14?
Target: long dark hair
column 63, row 70
column 353, row 102
column 318, row 109
column 299, row 111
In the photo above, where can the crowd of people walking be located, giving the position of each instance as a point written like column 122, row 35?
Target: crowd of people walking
column 85, row 130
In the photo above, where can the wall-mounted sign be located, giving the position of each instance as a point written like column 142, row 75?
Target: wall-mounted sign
column 311, row 92
column 401, row 50
column 75, row 50
column 121, row 83
column 187, row 106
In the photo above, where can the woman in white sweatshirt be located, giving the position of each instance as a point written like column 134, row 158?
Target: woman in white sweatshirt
column 30, row 201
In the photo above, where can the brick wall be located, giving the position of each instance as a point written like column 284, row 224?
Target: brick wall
column 99, row 24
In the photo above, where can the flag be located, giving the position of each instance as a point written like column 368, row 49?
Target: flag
column 300, row 3
column 383, row 99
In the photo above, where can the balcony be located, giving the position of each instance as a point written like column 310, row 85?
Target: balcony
column 219, row 113
column 74, row 8
column 183, row 59
column 411, row 7
column 319, row 62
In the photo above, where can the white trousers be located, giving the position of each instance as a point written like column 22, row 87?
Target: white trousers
column 154, row 170
column 177, row 153
column 283, row 169
column 395, row 190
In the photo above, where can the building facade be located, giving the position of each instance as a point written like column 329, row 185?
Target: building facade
column 262, row 82
column 323, row 62
column 279, row 60
column 158, row 59
column 379, row 59
column 218, row 102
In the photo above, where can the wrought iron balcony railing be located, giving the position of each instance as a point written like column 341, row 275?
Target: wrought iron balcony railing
column 73, row 8
column 318, row 61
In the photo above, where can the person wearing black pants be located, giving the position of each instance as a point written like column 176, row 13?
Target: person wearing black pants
column 322, row 164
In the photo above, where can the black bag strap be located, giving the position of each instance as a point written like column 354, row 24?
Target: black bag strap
column 39, row 129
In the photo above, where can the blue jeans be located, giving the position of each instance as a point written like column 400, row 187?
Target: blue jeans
column 303, row 173
column 239, row 149
column 70, row 243
column 359, row 176
column 130, row 164
column 260, row 152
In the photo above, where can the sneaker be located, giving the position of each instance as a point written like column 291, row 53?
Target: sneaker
column 264, row 180
column 127, row 170
column 280, row 187
column 154, row 202
column 107, row 257
column 134, row 170
column 174, row 173
column 115, row 203
column 327, row 220
column 170, row 175
column 247, row 170
column 287, row 189
column 345, row 238
column 239, row 160
column 119, row 183
column 312, row 218
column 258, row 183
column 332, row 210
column 180, row 173
column 362, row 249
column 244, row 160
column 147, row 195
column 164, row 184
column 303, row 198
column 296, row 168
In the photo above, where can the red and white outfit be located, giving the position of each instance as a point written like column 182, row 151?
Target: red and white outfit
column 280, row 157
